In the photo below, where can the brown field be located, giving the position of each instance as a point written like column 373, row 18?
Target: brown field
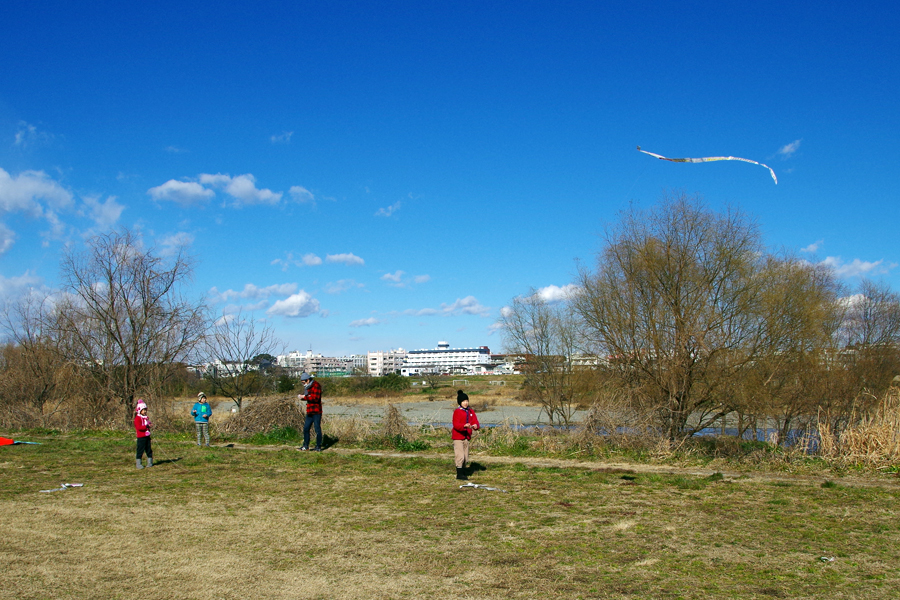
column 271, row 522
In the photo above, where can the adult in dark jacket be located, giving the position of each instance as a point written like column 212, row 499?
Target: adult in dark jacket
column 312, row 395
column 464, row 423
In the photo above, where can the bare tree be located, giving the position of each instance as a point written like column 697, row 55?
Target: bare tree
column 122, row 315
column 788, row 381
column 677, row 305
column 33, row 378
column 547, row 334
column 228, row 350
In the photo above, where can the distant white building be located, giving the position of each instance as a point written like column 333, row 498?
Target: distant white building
column 381, row 363
column 292, row 360
column 445, row 359
column 324, row 366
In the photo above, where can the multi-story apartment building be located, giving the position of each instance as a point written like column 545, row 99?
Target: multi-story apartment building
column 324, row 366
column 381, row 363
column 445, row 359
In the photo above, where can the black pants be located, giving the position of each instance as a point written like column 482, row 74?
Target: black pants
column 316, row 420
column 143, row 445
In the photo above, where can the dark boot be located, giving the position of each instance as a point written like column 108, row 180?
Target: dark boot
column 461, row 474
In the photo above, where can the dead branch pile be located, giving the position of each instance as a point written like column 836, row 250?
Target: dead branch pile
column 264, row 415
column 394, row 424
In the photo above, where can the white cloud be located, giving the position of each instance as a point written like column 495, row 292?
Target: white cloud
column 301, row 194
column 393, row 277
column 15, row 287
column 185, row 193
column 242, row 188
column 554, row 293
column 298, row 305
column 347, row 259
column 365, row 322
column 175, row 150
column 386, row 212
column 813, row 248
column 22, row 193
column 422, row 278
column 788, row 150
column 253, row 292
column 467, row 306
column 282, row 138
column 856, row 267
column 104, row 214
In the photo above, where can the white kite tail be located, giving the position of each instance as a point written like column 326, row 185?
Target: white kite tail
column 710, row 159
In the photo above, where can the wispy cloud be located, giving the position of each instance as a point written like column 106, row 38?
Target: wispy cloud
column 462, row 306
column 788, row 150
column 365, row 322
column 307, row 260
column 172, row 244
column 347, row 259
column 7, row 238
column 386, row 212
column 104, row 214
column 16, row 287
column 342, row 285
column 298, row 305
column 28, row 136
column 857, row 267
column 175, row 150
column 398, row 279
column 282, row 138
column 395, row 277
column 301, row 194
column 813, row 248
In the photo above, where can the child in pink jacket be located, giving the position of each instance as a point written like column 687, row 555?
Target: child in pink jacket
column 142, row 429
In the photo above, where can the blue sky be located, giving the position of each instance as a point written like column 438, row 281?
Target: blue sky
column 371, row 175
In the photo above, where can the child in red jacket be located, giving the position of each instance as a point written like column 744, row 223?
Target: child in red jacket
column 142, row 429
column 464, row 423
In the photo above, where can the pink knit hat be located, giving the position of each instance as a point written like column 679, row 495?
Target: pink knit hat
column 141, row 405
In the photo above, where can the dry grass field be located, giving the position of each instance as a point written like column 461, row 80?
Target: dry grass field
column 271, row 522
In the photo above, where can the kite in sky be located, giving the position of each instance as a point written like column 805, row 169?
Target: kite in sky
column 711, row 159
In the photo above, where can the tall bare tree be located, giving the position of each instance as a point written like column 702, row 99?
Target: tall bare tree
column 677, row 303
column 123, row 315
column 227, row 351
column 548, row 335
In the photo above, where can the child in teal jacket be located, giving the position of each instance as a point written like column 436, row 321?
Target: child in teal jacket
column 201, row 413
